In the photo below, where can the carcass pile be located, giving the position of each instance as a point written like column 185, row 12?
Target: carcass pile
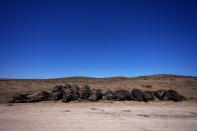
column 69, row 93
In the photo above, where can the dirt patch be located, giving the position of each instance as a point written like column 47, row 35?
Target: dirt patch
column 117, row 116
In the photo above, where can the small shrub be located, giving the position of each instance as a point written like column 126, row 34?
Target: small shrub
column 147, row 86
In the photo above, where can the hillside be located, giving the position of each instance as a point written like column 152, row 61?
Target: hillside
column 185, row 85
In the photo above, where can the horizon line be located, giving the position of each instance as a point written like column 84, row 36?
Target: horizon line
column 101, row 77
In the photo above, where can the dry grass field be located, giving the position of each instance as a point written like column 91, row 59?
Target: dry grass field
column 185, row 85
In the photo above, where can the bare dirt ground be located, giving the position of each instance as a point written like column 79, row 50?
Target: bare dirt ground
column 99, row 116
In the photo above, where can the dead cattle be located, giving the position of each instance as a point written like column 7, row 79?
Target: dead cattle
column 122, row 95
column 109, row 95
column 40, row 96
column 138, row 95
column 161, row 94
column 75, row 92
column 148, row 95
column 58, row 95
column 84, row 92
column 57, row 92
column 19, row 98
column 58, row 88
column 173, row 95
column 95, row 95
column 72, row 92
column 67, row 95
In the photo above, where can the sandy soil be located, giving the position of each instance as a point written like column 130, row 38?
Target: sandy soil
column 99, row 116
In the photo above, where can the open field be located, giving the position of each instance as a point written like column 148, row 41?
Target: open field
column 185, row 85
column 102, row 115
column 99, row 116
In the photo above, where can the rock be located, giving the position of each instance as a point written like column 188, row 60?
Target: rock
column 148, row 95
column 161, row 94
column 138, row 95
column 122, row 95
column 84, row 92
column 109, row 95
column 67, row 95
column 95, row 95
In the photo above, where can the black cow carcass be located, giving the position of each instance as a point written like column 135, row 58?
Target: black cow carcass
column 40, row 96
column 148, row 95
column 138, row 95
column 122, row 95
column 84, row 92
column 109, row 95
column 95, row 95
column 175, row 96
column 67, row 95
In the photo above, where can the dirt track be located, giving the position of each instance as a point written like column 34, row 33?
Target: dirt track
column 99, row 116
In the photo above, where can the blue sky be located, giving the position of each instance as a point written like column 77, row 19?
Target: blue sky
column 97, row 38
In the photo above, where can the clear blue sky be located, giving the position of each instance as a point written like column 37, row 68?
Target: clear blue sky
column 98, row 38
